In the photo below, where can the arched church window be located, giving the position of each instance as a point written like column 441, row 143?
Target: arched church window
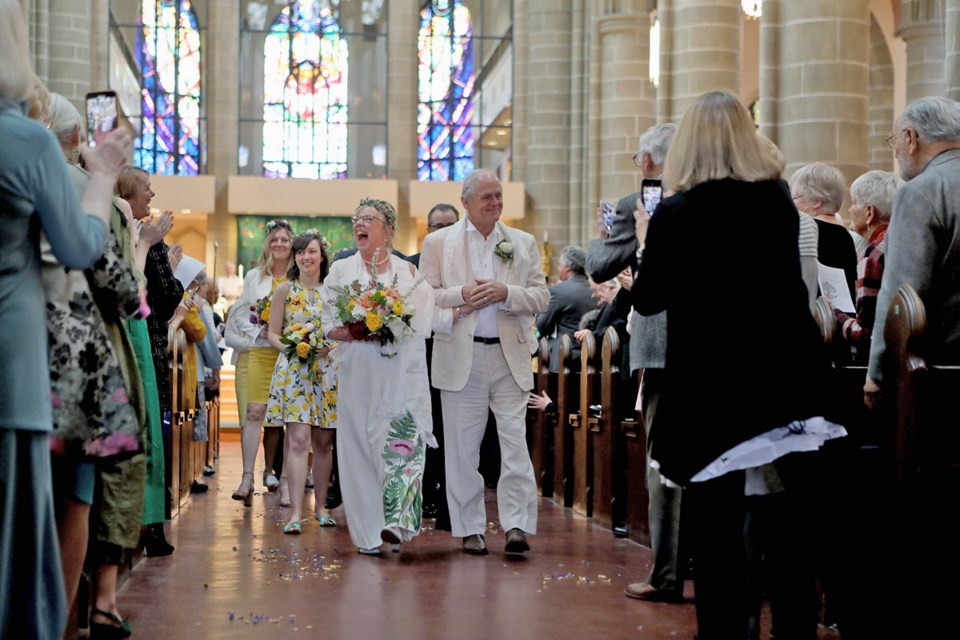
column 168, row 54
column 445, row 149
column 305, row 93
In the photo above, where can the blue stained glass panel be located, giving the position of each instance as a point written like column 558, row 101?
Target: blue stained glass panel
column 445, row 149
column 168, row 54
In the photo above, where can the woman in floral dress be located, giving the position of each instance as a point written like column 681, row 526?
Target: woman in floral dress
column 384, row 393
column 303, row 392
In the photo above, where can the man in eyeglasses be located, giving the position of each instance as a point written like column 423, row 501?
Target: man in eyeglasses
column 440, row 216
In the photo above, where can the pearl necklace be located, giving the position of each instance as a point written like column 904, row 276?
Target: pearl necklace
column 378, row 263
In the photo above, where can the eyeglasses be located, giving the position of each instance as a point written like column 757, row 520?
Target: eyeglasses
column 437, row 226
column 365, row 219
column 892, row 138
column 638, row 160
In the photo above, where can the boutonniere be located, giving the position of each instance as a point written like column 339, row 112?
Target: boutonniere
column 504, row 250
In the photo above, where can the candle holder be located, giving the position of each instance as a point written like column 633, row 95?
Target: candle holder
column 546, row 258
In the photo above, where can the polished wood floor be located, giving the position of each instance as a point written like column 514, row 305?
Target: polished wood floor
column 235, row 575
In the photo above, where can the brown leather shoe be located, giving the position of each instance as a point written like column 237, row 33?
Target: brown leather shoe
column 474, row 545
column 516, row 542
column 646, row 591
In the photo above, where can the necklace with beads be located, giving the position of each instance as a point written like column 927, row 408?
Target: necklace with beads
column 378, row 263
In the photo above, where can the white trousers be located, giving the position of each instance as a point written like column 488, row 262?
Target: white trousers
column 490, row 387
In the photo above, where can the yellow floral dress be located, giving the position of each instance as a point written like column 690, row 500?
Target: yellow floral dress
column 295, row 394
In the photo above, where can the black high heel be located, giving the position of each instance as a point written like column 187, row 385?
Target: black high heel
column 103, row 631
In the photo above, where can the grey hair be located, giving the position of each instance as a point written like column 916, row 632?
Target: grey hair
column 471, row 180
column 877, row 188
column 819, row 181
column 934, row 118
column 575, row 258
column 656, row 142
column 64, row 119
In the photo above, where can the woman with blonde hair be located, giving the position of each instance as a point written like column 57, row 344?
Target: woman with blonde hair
column 260, row 282
column 689, row 253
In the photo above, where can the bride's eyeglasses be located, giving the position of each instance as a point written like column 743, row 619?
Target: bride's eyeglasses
column 365, row 219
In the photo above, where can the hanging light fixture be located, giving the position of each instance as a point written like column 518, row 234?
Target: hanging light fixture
column 654, row 62
column 753, row 8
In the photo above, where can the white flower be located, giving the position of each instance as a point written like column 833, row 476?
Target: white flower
column 504, row 250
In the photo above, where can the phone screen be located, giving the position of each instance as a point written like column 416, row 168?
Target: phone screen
column 607, row 213
column 102, row 115
column 651, row 191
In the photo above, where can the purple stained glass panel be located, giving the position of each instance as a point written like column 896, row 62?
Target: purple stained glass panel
column 446, row 77
column 168, row 55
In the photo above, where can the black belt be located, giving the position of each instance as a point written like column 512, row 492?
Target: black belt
column 486, row 340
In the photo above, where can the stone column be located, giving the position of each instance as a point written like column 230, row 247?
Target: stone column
column 68, row 42
column 699, row 52
column 815, row 77
column 402, row 109
column 881, row 100
column 542, row 120
column 952, row 44
column 622, row 107
column 221, row 99
column 922, row 28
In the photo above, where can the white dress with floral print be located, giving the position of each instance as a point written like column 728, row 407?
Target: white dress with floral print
column 385, row 412
column 294, row 396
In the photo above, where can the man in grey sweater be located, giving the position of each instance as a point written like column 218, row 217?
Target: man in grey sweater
column 923, row 241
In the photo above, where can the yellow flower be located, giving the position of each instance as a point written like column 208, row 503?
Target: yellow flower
column 398, row 308
column 295, row 326
column 303, row 349
column 351, row 304
column 373, row 321
column 265, row 315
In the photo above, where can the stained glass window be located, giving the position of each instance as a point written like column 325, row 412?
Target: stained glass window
column 445, row 138
column 168, row 53
column 305, row 93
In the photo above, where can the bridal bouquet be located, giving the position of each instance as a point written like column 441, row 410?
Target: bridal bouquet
column 302, row 343
column 374, row 312
column 260, row 312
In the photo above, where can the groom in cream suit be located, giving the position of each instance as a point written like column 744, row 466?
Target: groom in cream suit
column 489, row 287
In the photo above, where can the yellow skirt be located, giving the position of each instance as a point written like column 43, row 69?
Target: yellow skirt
column 260, row 365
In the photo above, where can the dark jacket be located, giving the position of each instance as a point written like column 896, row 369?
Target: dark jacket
column 730, row 374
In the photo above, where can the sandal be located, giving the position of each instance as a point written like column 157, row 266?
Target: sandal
column 103, row 631
column 247, row 497
column 270, row 481
column 326, row 520
column 292, row 528
column 375, row 551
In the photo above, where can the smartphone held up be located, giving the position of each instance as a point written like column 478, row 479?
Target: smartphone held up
column 103, row 116
column 652, row 192
column 607, row 213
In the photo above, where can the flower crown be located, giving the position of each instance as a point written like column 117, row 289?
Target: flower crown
column 383, row 207
column 273, row 224
column 324, row 243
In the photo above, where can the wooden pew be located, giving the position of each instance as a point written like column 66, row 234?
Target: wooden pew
column 632, row 443
column 540, row 424
column 926, row 441
column 567, row 400
column 602, row 437
column 582, row 458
